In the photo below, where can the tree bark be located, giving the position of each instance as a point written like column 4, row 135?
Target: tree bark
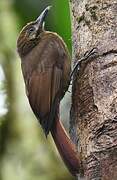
column 94, row 98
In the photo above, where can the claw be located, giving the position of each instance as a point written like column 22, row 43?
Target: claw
column 92, row 52
column 88, row 54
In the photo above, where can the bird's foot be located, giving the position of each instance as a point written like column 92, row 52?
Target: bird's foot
column 86, row 56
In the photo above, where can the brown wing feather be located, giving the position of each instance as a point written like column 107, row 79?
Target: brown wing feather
column 42, row 93
column 46, row 71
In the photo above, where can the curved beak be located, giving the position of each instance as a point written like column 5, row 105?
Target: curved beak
column 40, row 20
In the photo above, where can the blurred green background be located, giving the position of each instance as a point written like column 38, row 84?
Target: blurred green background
column 25, row 154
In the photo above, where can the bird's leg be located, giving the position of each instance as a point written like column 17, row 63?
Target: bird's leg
column 86, row 56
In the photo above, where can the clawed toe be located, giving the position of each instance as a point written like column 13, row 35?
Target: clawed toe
column 88, row 54
column 91, row 52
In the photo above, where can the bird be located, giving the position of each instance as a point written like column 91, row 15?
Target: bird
column 46, row 68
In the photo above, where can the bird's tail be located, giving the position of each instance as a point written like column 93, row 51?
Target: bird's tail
column 65, row 147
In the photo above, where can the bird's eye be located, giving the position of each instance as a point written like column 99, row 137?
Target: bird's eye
column 31, row 29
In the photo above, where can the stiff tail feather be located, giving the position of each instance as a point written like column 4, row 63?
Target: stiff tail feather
column 65, row 147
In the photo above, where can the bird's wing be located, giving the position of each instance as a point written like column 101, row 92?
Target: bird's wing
column 43, row 93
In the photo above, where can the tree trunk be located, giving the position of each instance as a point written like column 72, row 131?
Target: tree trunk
column 94, row 98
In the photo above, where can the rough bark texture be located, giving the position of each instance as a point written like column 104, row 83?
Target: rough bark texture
column 94, row 99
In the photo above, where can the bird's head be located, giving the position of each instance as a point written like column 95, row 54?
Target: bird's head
column 29, row 35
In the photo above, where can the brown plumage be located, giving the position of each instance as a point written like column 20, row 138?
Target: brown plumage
column 45, row 63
